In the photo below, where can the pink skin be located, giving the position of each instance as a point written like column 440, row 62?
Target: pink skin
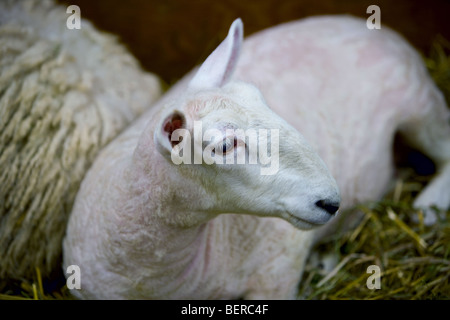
column 142, row 228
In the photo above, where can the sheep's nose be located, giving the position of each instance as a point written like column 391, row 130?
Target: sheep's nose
column 328, row 206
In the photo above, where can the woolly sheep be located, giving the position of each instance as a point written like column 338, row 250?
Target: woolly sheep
column 64, row 94
column 145, row 227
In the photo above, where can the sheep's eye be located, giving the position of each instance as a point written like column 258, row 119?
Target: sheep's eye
column 228, row 145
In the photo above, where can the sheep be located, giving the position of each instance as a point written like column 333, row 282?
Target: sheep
column 146, row 226
column 64, row 94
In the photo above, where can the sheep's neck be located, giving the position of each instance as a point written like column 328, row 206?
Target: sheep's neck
column 152, row 246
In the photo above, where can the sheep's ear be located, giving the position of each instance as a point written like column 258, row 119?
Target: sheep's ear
column 219, row 66
column 163, row 134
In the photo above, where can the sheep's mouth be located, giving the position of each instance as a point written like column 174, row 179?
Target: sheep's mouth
column 302, row 223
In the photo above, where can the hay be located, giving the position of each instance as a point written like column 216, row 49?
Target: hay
column 438, row 64
column 413, row 258
column 34, row 290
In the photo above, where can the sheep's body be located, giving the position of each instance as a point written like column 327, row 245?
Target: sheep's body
column 349, row 90
column 134, row 231
column 64, row 94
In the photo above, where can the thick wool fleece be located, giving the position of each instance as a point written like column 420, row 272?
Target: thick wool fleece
column 64, row 94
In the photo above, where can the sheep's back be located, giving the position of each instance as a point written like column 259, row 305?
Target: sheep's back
column 346, row 88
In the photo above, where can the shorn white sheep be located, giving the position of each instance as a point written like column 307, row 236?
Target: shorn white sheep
column 64, row 94
column 145, row 227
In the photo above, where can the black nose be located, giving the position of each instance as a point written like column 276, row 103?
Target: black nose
column 328, row 206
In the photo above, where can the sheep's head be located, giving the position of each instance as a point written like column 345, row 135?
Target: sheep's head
column 243, row 156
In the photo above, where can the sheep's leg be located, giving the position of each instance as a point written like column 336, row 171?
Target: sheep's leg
column 436, row 194
column 430, row 133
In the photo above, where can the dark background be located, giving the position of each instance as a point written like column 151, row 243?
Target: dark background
column 169, row 37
